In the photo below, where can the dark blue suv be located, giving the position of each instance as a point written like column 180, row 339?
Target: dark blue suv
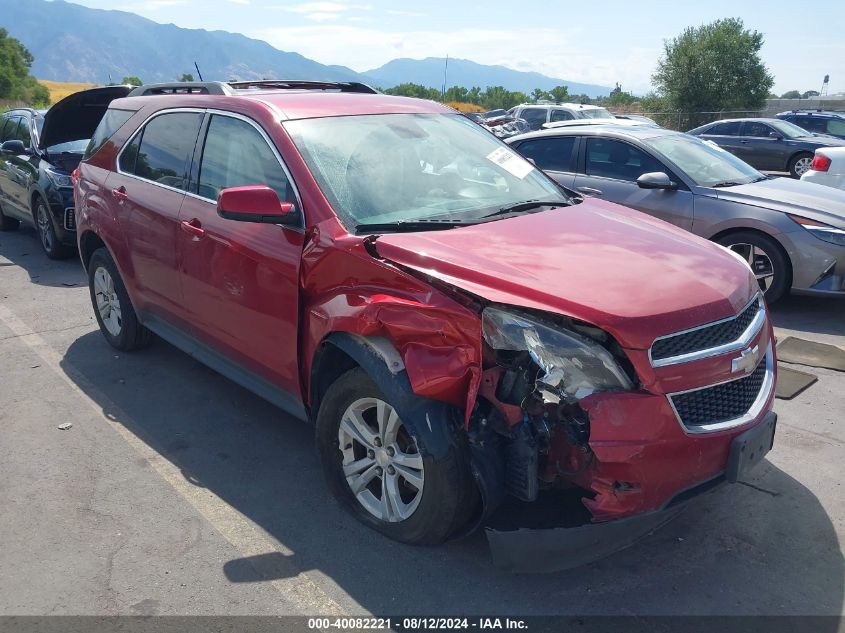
column 38, row 151
column 817, row 121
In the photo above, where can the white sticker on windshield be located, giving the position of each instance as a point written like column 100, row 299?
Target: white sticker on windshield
column 510, row 162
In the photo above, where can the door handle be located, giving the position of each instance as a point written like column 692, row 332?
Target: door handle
column 120, row 193
column 590, row 191
column 193, row 227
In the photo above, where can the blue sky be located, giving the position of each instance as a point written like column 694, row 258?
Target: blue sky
column 594, row 41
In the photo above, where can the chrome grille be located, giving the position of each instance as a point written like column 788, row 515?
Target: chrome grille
column 727, row 404
column 710, row 339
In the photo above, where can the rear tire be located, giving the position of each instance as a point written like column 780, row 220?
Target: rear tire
column 112, row 307
column 767, row 259
column 358, row 449
column 800, row 164
column 7, row 223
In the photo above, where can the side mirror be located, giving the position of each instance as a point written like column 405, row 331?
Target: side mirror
column 255, row 203
column 656, row 180
column 14, row 147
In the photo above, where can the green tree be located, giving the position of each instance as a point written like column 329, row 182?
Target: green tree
column 131, row 81
column 16, row 83
column 713, row 67
column 809, row 94
column 186, row 77
column 619, row 97
column 414, row 90
column 540, row 95
column 791, row 94
column 559, row 94
column 499, row 97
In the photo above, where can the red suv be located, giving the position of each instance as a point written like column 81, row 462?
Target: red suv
column 462, row 331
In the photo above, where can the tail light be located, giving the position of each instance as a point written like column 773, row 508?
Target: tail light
column 74, row 176
column 820, row 163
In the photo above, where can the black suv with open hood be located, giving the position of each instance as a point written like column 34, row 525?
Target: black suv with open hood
column 38, row 151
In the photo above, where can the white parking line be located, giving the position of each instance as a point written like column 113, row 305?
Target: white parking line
column 243, row 534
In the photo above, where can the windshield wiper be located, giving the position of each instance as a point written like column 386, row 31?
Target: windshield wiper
column 527, row 205
column 727, row 183
column 412, row 225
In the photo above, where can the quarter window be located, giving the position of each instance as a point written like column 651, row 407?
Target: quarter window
column 237, row 155
column 161, row 152
column 609, row 158
column 553, row 154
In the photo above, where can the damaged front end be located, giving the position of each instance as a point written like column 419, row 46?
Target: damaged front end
column 530, row 441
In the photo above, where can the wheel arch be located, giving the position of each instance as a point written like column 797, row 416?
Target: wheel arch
column 748, row 229
column 89, row 242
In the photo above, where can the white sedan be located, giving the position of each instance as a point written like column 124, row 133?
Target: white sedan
column 827, row 168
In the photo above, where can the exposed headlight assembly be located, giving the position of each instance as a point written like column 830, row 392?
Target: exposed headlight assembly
column 572, row 366
column 59, row 179
column 822, row 231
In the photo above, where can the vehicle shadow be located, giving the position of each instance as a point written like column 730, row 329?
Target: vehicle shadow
column 769, row 548
column 820, row 315
column 23, row 249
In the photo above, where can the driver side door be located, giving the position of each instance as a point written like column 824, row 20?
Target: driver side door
column 609, row 168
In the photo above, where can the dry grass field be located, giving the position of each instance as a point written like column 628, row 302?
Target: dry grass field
column 60, row 89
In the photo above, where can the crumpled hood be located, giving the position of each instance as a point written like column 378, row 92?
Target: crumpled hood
column 628, row 273
column 75, row 117
column 807, row 199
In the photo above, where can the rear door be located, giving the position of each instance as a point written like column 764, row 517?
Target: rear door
column 555, row 155
column 726, row 135
column 609, row 168
column 146, row 194
column 241, row 280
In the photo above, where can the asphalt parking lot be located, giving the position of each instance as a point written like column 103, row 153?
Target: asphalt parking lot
column 177, row 492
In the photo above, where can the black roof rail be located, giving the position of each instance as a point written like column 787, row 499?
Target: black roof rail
column 300, row 84
column 182, row 87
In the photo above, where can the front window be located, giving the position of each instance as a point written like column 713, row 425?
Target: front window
column 789, row 130
column 407, row 167
column 596, row 113
column 704, row 163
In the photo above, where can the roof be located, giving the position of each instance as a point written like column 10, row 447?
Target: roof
column 640, row 132
column 811, row 112
column 574, row 106
column 295, row 104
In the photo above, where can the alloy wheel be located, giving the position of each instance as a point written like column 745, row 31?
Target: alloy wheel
column 108, row 303
column 381, row 462
column 759, row 261
column 802, row 165
column 45, row 230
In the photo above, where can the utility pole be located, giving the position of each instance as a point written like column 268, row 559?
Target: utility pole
column 445, row 71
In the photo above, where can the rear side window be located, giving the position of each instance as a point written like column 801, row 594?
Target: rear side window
column 614, row 159
column 111, row 123
column 561, row 115
column 236, row 155
column 553, row 154
column 535, row 117
column 836, row 126
column 731, row 128
column 161, row 151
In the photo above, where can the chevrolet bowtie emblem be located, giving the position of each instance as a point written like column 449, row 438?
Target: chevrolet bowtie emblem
column 747, row 361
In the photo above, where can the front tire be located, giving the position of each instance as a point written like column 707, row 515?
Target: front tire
column 47, row 232
column 799, row 164
column 112, row 307
column 382, row 473
column 767, row 260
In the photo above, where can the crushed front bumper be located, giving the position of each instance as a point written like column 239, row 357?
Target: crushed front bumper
column 528, row 550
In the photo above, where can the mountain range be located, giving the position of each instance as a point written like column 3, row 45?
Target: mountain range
column 74, row 43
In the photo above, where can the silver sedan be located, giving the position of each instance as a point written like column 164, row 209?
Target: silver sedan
column 791, row 233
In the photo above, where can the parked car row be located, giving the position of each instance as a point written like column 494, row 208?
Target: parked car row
column 790, row 232
column 464, row 327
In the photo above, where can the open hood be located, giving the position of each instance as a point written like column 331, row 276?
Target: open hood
column 633, row 275
column 75, row 117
